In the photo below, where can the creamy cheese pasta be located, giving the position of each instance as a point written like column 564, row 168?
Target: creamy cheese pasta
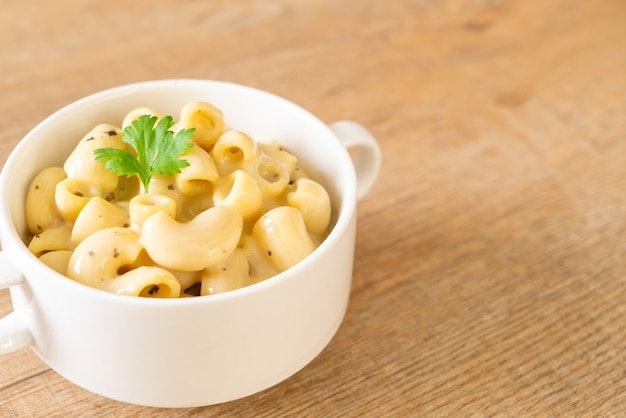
column 240, row 212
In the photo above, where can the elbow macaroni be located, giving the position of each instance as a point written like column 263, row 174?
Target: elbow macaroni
column 40, row 200
column 239, row 213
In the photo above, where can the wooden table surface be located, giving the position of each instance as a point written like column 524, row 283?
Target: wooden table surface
column 490, row 272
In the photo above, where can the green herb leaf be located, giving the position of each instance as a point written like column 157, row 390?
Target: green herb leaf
column 157, row 150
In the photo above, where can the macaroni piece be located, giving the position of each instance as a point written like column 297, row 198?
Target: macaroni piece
column 40, row 203
column 239, row 213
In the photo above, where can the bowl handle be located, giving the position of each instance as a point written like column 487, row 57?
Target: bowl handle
column 14, row 334
column 364, row 150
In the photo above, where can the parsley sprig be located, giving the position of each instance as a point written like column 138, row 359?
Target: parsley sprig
column 157, row 150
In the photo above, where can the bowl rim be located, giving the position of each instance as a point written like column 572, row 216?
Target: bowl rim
column 13, row 243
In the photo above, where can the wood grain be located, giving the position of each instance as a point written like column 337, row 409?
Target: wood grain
column 489, row 276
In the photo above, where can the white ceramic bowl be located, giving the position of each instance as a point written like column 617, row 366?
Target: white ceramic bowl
column 192, row 351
